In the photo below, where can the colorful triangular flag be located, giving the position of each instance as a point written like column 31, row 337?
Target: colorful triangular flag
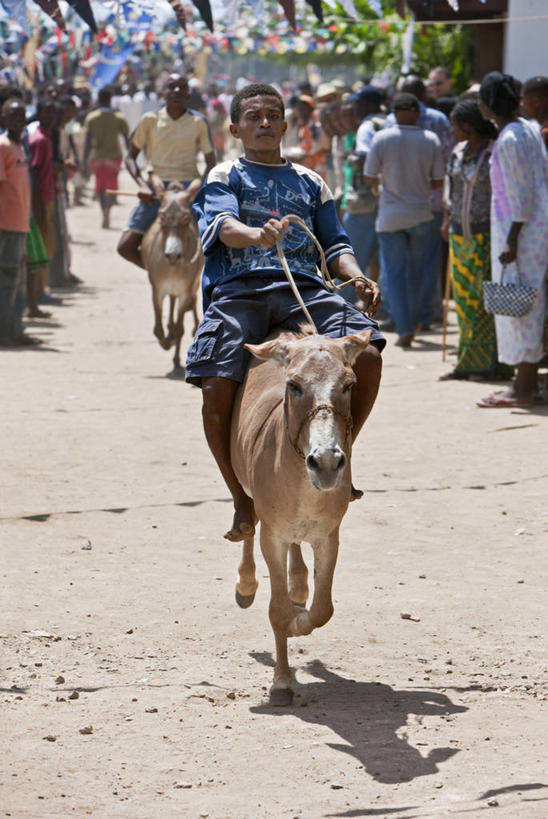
column 205, row 12
column 231, row 12
column 51, row 7
column 350, row 8
column 375, row 5
column 178, row 8
column 257, row 7
column 18, row 10
column 317, row 7
column 83, row 10
column 289, row 9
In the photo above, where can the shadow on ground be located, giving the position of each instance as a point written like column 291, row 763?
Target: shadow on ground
column 370, row 718
column 484, row 802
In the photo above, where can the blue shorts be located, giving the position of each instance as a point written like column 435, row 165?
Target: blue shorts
column 245, row 310
column 143, row 215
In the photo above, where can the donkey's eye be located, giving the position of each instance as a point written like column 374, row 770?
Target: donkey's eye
column 348, row 387
column 294, row 388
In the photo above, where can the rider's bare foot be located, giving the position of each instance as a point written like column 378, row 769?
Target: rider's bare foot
column 243, row 524
column 355, row 494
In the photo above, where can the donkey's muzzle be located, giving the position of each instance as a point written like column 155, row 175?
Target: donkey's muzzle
column 325, row 466
column 173, row 250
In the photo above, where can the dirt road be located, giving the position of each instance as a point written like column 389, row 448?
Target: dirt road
column 117, row 585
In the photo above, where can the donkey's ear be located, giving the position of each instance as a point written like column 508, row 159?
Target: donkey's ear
column 193, row 189
column 355, row 344
column 275, row 349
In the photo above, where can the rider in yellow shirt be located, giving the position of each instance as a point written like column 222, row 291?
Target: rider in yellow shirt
column 172, row 138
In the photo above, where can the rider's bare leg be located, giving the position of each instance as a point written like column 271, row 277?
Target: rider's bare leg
column 218, row 399
column 129, row 247
column 368, row 369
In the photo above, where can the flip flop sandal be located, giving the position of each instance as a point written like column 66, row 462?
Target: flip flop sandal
column 498, row 401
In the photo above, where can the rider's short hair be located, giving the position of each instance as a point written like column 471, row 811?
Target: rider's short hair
column 255, row 89
column 104, row 96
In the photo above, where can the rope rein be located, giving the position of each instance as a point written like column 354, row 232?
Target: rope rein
column 308, row 417
column 325, row 274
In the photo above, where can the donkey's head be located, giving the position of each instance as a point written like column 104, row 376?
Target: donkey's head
column 175, row 216
column 319, row 380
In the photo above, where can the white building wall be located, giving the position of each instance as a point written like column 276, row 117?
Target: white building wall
column 526, row 42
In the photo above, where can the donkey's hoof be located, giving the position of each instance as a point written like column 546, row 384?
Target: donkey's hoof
column 244, row 600
column 281, row 697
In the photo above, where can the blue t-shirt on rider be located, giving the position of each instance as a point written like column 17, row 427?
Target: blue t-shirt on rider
column 253, row 193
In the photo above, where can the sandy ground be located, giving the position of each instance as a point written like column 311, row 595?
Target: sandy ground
column 117, row 585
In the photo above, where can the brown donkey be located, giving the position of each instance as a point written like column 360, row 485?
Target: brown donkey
column 291, row 444
column 172, row 255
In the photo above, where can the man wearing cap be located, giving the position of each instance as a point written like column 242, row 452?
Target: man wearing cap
column 409, row 160
column 361, row 201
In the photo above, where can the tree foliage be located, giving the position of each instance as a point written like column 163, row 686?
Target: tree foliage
column 377, row 46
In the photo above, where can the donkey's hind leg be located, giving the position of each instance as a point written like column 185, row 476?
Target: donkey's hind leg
column 298, row 576
column 247, row 584
column 171, row 323
column 179, row 330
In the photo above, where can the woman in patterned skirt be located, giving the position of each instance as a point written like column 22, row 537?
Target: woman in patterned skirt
column 467, row 227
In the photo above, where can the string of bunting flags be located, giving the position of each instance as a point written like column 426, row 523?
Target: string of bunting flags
column 225, row 11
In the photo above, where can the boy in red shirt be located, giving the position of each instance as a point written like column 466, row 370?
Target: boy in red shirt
column 14, row 218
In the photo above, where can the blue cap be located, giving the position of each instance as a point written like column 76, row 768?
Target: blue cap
column 369, row 93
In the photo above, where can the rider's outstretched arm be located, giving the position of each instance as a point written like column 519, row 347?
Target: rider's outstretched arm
column 234, row 233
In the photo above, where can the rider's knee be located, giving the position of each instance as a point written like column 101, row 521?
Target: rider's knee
column 121, row 248
column 218, row 398
column 128, row 244
column 369, row 362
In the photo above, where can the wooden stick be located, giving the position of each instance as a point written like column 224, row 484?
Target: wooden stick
column 122, row 193
column 446, row 303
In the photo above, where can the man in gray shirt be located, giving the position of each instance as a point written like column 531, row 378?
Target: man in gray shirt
column 409, row 161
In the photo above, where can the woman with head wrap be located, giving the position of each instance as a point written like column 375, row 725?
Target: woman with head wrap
column 466, row 225
column 519, row 233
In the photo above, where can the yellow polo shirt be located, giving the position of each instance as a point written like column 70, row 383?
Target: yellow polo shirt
column 172, row 145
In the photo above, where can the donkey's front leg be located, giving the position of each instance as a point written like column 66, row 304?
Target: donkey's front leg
column 158, row 326
column 178, row 332
column 281, row 612
column 321, row 609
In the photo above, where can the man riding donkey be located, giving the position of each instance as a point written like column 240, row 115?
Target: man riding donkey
column 172, row 138
column 240, row 211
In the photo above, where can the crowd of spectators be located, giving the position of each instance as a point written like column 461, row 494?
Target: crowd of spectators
column 421, row 176
column 435, row 184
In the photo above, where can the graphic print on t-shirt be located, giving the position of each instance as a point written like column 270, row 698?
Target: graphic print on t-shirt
column 266, row 200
